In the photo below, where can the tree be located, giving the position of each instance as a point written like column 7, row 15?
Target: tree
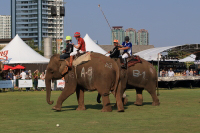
column 178, row 54
column 1, row 47
column 31, row 43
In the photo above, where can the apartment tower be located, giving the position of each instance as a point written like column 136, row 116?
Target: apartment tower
column 143, row 37
column 33, row 19
column 5, row 26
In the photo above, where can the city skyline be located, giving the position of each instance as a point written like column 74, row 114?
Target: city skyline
column 140, row 37
column 169, row 23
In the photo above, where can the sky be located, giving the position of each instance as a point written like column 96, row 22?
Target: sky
column 169, row 22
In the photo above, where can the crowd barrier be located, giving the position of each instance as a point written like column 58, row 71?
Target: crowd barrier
column 28, row 83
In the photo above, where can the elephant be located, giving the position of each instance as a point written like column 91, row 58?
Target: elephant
column 100, row 73
column 139, row 76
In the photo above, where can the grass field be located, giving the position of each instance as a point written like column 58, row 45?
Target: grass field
column 28, row 112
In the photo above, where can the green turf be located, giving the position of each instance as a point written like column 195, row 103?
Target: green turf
column 28, row 112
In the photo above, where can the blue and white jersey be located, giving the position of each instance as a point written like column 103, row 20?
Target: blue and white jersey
column 129, row 44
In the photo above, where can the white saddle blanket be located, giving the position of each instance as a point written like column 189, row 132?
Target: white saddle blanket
column 82, row 59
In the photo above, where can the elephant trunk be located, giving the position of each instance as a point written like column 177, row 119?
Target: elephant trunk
column 48, row 89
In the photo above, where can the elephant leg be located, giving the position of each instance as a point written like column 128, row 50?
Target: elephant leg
column 119, row 95
column 106, row 103
column 139, row 98
column 63, row 96
column 124, row 99
column 151, row 88
column 80, row 98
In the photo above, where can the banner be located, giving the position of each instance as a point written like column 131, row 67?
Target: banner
column 60, row 83
column 25, row 83
column 6, row 83
column 41, row 83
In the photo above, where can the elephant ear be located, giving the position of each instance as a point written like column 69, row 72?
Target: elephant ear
column 63, row 67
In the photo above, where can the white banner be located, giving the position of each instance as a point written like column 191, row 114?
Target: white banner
column 41, row 83
column 6, row 84
column 25, row 83
column 60, row 83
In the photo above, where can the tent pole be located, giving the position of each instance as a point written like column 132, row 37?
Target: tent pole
column 158, row 64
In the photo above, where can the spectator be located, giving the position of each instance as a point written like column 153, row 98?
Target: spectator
column 191, row 72
column 195, row 73
column 23, row 75
column 10, row 74
column 171, row 73
column 42, row 77
column 163, row 73
column 29, row 74
column 184, row 73
column 14, row 80
column 28, row 78
column 17, row 79
column 166, row 74
column 187, row 73
column 35, row 82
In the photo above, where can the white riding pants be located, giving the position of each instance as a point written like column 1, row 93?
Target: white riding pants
column 125, row 55
column 75, row 52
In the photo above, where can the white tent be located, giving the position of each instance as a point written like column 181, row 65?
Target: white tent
column 92, row 46
column 19, row 52
column 152, row 54
column 188, row 59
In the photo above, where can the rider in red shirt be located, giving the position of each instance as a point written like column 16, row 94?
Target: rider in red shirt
column 81, row 47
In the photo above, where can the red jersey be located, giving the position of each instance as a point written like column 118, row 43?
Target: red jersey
column 82, row 43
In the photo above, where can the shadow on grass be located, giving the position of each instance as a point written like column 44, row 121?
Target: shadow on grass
column 99, row 106
column 132, row 103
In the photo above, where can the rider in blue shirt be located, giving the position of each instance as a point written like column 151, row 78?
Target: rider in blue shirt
column 127, row 47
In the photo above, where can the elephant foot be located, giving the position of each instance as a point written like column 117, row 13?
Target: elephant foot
column 98, row 100
column 107, row 109
column 121, row 110
column 138, row 103
column 81, row 108
column 125, row 101
column 56, row 108
column 155, row 103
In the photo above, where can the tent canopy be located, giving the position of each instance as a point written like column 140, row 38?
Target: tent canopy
column 152, row 54
column 92, row 46
column 17, row 51
column 7, row 67
column 190, row 58
column 19, row 67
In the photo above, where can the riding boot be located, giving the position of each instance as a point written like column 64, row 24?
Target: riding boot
column 125, row 64
column 70, row 61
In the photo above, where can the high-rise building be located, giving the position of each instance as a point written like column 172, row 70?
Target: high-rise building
column 117, row 33
column 33, row 19
column 132, row 35
column 143, row 37
column 5, row 27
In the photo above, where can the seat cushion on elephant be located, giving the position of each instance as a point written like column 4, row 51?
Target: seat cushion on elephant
column 132, row 60
column 82, row 59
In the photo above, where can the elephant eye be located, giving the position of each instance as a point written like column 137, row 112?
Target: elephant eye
column 50, row 70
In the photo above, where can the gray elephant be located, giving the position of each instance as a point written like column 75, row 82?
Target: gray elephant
column 140, row 76
column 101, row 73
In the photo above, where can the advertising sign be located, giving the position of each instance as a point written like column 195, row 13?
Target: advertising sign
column 60, row 83
column 6, row 84
column 25, row 83
column 41, row 83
